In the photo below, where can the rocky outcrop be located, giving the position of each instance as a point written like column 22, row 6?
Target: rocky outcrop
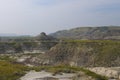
column 43, row 37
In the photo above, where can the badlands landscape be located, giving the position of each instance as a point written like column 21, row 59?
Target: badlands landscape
column 57, row 57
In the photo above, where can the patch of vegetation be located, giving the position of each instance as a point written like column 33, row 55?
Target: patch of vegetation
column 94, row 75
column 7, row 57
column 9, row 71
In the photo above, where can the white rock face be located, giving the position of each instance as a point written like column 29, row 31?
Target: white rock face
column 33, row 75
column 34, row 51
column 22, row 59
column 113, row 72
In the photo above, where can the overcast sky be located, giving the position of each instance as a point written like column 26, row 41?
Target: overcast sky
column 35, row 16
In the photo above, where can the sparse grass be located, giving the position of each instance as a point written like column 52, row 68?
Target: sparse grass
column 9, row 71
column 67, row 69
column 6, row 58
column 94, row 75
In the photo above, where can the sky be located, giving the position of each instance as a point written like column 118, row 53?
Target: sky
column 31, row 17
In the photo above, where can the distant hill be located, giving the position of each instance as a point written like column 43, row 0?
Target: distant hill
column 104, row 32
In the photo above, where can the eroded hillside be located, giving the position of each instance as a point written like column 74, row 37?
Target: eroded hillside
column 86, row 53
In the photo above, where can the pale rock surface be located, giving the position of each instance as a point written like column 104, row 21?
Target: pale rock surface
column 33, row 75
column 112, row 72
